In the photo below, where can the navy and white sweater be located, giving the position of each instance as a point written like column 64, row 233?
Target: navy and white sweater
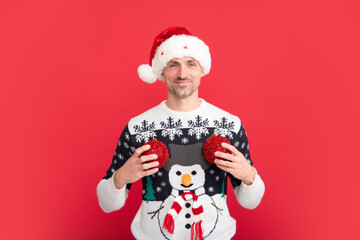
column 184, row 133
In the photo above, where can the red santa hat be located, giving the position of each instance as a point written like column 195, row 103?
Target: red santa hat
column 174, row 42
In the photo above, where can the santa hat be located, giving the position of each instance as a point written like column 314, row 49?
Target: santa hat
column 174, row 42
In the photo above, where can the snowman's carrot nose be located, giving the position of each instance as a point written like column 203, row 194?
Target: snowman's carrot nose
column 186, row 179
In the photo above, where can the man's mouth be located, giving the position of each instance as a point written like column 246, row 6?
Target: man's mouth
column 182, row 82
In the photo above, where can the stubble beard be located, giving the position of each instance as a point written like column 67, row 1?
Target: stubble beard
column 182, row 92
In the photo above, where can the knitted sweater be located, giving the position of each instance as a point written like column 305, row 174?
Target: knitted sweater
column 183, row 133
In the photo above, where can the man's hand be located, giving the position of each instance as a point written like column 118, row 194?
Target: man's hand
column 235, row 164
column 136, row 167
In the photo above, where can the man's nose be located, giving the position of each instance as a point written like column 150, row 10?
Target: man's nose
column 182, row 72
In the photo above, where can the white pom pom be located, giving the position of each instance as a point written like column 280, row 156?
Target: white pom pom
column 146, row 73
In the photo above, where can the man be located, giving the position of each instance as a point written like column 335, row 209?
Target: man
column 186, row 198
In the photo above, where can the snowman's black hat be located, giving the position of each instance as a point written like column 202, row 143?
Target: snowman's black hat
column 186, row 155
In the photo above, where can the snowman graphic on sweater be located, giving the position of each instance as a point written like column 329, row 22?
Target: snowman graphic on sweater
column 188, row 213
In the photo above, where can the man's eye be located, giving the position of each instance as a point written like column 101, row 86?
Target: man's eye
column 172, row 65
column 192, row 65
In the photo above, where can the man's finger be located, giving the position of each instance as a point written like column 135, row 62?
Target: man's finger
column 148, row 157
column 150, row 171
column 147, row 166
column 223, row 163
column 140, row 150
column 226, row 169
column 230, row 147
column 226, row 156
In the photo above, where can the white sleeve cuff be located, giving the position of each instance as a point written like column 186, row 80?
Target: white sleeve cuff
column 110, row 198
column 116, row 193
column 249, row 196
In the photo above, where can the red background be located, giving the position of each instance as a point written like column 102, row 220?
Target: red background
column 289, row 69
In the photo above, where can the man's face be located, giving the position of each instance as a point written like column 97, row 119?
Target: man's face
column 182, row 76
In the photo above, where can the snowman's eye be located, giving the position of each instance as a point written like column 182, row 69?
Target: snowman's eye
column 193, row 172
column 178, row 173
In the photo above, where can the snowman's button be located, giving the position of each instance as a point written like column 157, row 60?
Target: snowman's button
column 188, row 225
column 187, row 205
column 188, row 215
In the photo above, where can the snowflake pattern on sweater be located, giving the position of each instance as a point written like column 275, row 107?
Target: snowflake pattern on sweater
column 172, row 130
column 184, row 134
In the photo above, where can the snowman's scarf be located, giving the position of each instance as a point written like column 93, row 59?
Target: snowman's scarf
column 197, row 209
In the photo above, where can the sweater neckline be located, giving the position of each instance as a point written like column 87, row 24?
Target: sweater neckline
column 173, row 112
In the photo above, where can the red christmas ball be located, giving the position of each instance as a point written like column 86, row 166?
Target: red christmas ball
column 212, row 145
column 158, row 148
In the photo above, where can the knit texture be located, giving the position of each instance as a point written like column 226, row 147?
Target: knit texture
column 187, row 171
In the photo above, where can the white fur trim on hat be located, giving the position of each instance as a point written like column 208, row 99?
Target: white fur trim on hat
column 179, row 46
column 146, row 73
